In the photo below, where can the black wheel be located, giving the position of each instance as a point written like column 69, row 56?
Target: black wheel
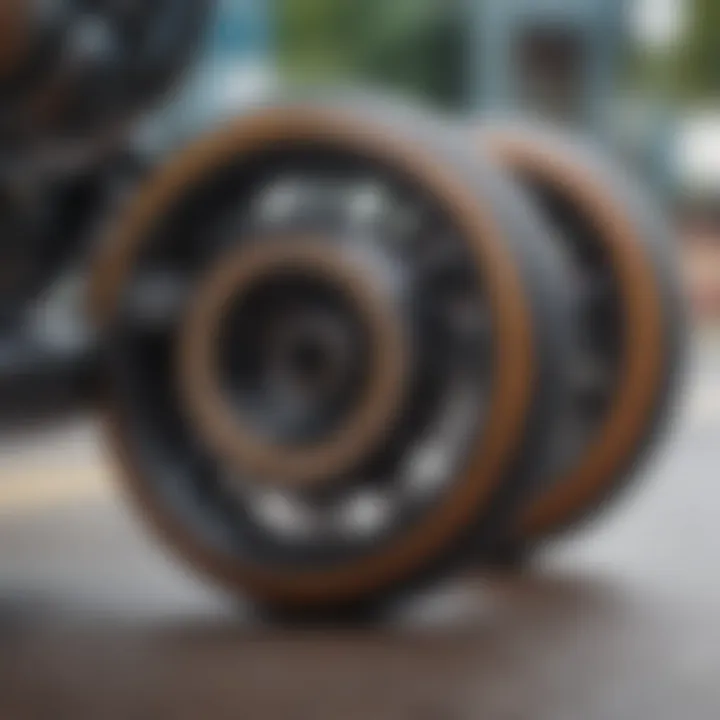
column 47, row 228
column 73, row 72
column 627, row 357
column 334, row 347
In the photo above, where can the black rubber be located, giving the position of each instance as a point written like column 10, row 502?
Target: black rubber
column 541, row 268
column 653, row 229
column 61, row 112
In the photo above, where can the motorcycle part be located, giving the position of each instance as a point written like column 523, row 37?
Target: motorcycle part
column 627, row 362
column 333, row 348
column 74, row 72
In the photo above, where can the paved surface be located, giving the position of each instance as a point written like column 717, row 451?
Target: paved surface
column 701, row 267
column 620, row 622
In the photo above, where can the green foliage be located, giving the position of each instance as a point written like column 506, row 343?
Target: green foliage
column 419, row 46
column 412, row 45
column 699, row 65
column 313, row 37
column 690, row 70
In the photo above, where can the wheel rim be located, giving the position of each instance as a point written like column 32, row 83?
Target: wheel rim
column 512, row 355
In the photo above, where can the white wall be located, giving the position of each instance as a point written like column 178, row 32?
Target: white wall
column 697, row 152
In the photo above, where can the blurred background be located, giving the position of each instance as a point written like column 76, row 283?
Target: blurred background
column 642, row 75
column 620, row 621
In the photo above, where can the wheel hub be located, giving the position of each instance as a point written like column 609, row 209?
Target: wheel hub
column 332, row 333
column 296, row 359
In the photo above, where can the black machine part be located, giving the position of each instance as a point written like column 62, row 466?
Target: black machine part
column 83, row 68
column 171, row 470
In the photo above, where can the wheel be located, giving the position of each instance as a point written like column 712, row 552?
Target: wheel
column 627, row 360
column 333, row 348
column 47, row 228
column 73, row 72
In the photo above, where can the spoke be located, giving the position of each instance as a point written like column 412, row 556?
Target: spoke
column 426, row 468
column 282, row 514
column 366, row 206
column 278, row 201
column 365, row 514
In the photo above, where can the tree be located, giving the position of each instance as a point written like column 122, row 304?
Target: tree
column 412, row 45
column 699, row 65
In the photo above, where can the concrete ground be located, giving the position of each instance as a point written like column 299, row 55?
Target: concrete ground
column 621, row 621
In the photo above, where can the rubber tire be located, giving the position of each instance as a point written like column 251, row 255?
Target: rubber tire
column 539, row 268
column 650, row 234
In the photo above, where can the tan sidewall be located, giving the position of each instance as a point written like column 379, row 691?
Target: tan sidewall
column 514, row 355
column 636, row 394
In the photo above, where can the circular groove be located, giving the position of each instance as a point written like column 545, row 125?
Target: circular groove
column 234, row 439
